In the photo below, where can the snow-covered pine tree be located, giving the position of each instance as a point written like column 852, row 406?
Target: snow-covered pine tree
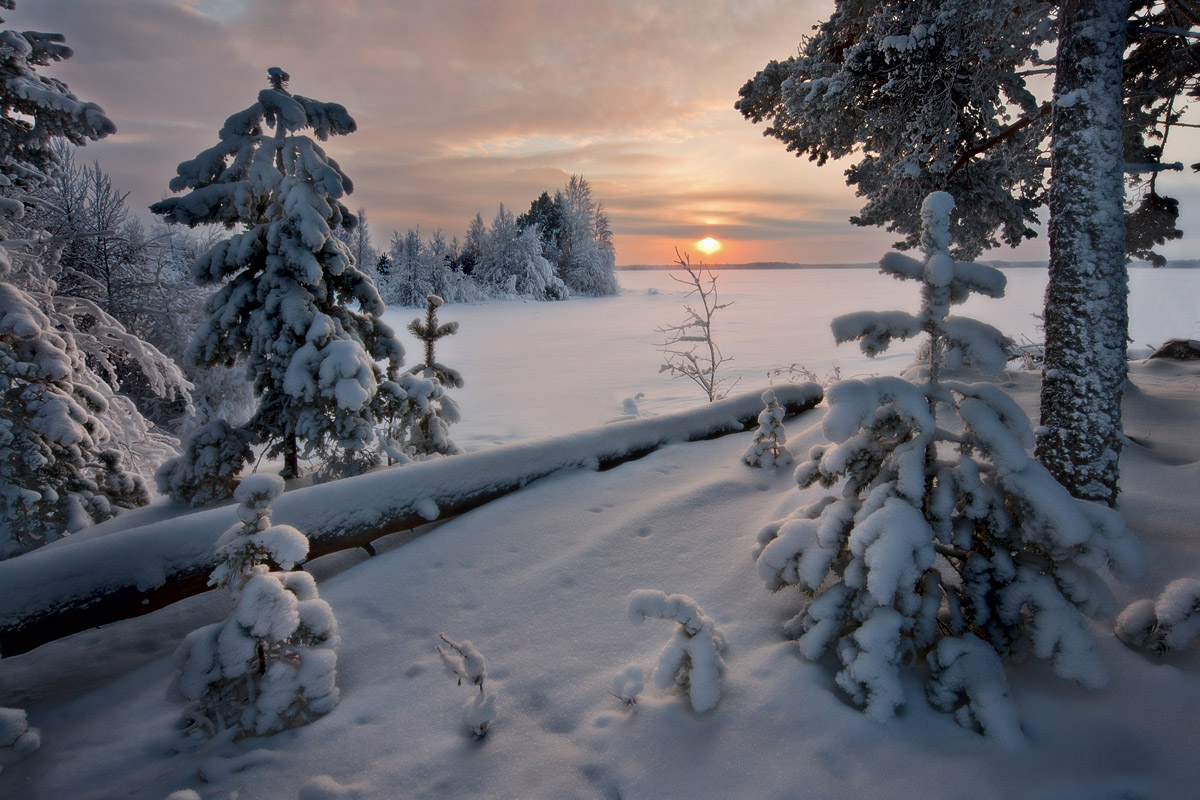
column 289, row 287
column 433, row 411
column 934, row 94
column 930, row 92
column 1086, row 319
column 768, row 449
column 69, row 442
column 948, row 541
column 691, row 661
column 511, row 263
column 584, row 241
column 271, row 665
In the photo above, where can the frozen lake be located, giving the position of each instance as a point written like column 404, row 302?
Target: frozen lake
column 538, row 369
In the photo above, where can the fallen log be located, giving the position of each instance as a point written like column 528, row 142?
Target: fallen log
column 77, row 584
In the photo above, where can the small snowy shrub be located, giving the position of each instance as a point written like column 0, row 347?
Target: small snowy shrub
column 17, row 739
column 948, row 541
column 1171, row 623
column 270, row 665
column 464, row 663
column 691, row 661
column 628, row 685
column 767, row 449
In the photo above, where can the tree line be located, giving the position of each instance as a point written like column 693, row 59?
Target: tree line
column 563, row 245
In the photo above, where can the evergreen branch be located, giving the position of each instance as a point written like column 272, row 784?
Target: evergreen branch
column 1008, row 133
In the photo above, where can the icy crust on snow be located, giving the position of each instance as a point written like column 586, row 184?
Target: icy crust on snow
column 70, row 573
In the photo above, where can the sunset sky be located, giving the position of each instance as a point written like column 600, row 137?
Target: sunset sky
column 464, row 104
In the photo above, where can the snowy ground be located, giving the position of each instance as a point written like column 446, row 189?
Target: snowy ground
column 540, row 580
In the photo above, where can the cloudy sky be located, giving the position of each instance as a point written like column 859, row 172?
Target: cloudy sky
column 465, row 104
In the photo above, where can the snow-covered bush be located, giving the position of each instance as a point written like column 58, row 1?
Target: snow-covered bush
column 689, row 350
column 691, row 661
column 17, row 739
column 948, row 541
column 464, row 663
column 292, row 304
column 628, row 685
column 1170, row 623
column 271, row 665
column 768, row 447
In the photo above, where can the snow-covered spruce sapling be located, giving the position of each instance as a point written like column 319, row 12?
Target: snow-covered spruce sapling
column 768, row 449
column 464, row 663
column 271, row 665
column 691, row 661
column 1170, row 623
column 17, row 739
column 689, row 349
column 433, row 411
column 291, row 304
column 948, row 542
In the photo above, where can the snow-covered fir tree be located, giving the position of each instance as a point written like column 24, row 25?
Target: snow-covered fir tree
column 71, row 445
column 417, row 269
column 292, row 305
column 433, row 411
column 768, row 448
column 271, row 665
column 586, row 256
column 691, row 661
column 936, row 95
column 511, row 263
column 948, row 541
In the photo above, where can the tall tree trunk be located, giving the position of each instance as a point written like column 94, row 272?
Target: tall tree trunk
column 1086, row 315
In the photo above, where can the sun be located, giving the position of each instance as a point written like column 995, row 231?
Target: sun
column 708, row 245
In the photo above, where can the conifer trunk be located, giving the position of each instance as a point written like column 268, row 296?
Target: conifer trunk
column 1086, row 312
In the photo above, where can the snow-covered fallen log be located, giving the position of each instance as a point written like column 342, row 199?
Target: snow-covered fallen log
column 56, row 591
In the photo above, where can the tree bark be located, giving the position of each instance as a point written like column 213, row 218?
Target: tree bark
column 1087, row 323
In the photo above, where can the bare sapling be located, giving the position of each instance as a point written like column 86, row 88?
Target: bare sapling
column 689, row 350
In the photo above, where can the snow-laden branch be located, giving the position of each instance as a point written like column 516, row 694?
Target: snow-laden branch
column 65, row 588
column 691, row 660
